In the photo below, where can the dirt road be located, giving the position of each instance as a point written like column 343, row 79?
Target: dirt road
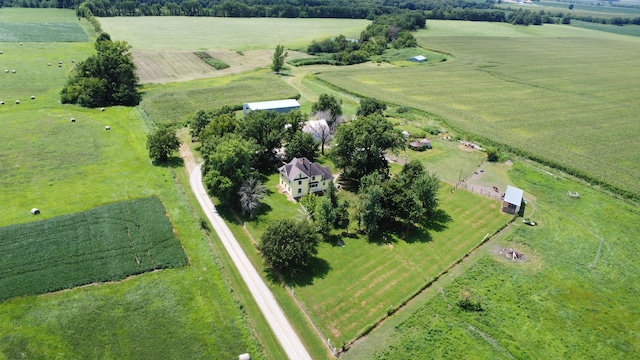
column 264, row 298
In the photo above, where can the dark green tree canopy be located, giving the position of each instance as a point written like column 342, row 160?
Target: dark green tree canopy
column 361, row 146
column 227, row 163
column 302, row 145
column 162, row 143
column 268, row 129
column 289, row 245
column 370, row 106
column 328, row 103
column 105, row 79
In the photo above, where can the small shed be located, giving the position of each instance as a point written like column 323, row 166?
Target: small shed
column 420, row 145
column 418, row 58
column 281, row 106
column 512, row 200
column 35, row 211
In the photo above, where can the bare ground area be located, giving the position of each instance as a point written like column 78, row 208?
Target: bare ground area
column 166, row 66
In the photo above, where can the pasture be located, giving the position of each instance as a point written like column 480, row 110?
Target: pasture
column 65, row 168
column 106, row 243
column 558, row 99
column 555, row 304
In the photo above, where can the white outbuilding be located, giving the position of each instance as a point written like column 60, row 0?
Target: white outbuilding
column 512, row 200
column 281, row 106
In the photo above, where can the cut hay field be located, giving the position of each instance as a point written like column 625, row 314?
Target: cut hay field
column 204, row 33
column 556, row 304
column 41, row 25
column 549, row 91
column 65, row 168
column 179, row 102
column 106, row 243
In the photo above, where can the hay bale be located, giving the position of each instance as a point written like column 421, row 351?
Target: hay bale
column 244, row 356
column 13, row 71
column 73, row 119
column 35, row 211
column 60, row 62
column 107, row 127
column 5, row 70
column 20, row 44
column 1, row 102
column 48, row 64
column 73, row 61
column 17, row 101
column 101, row 109
column 1, row 53
column 33, row 97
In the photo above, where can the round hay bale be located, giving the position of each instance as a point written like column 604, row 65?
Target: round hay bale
column 13, row 71
column 1, row 53
column 41, row 43
column 107, row 127
column 20, row 44
column 48, row 64
column 33, row 97
column 101, row 109
column 73, row 61
column 35, row 211
column 5, row 70
column 73, row 119
column 59, row 65
column 59, row 62
column 1, row 102
column 17, row 101
column 244, row 356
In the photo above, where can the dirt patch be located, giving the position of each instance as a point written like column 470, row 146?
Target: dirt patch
column 159, row 67
column 512, row 254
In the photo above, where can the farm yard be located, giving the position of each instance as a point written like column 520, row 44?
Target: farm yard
column 106, row 243
column 495, row 84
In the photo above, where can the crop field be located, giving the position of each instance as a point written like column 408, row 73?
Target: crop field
column 352, row 287
column 45, row 32
column 204, row 33
column 179, row 102
column 105, row 243
column 556, row 98
column 555, row 304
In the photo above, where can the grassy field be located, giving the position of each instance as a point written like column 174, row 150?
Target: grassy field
column 179, row 102
column 106, row 243
column 65, row 168
column 556, row 304
column 203, row 33
column 539, row 89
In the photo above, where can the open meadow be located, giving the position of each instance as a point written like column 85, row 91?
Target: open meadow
column 551, row 92
column 62, row 168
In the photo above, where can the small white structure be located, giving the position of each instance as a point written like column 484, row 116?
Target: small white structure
column 512, row 200
column 319, row 129
column 244, row 356
column 35, row 211
column 107, row 127
column 281, row 106
column 418, row 58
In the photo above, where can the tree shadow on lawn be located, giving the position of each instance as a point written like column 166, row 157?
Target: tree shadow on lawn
column 172, row 162
column 317, row 268
column 439, row 221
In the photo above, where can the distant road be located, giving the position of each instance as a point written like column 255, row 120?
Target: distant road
column 261, row 293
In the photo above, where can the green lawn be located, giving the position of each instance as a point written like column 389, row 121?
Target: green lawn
column 549, row 91
column 556, row 304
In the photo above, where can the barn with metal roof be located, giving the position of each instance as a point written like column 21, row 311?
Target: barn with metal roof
column 281, row 106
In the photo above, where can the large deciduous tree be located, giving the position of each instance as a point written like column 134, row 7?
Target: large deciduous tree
column 370, row 106
column 278, row 59
column 361, row 145
column 105, row 79
column 161, row 143
column 268, row 129
column 302, row 145
column 227, row 163
column 328, row 103
column 289, row 245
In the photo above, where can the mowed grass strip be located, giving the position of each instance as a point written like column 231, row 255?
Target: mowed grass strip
column 106, row 243
column 44, row 32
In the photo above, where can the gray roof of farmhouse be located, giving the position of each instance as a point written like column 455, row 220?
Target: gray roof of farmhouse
column 300, row 168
